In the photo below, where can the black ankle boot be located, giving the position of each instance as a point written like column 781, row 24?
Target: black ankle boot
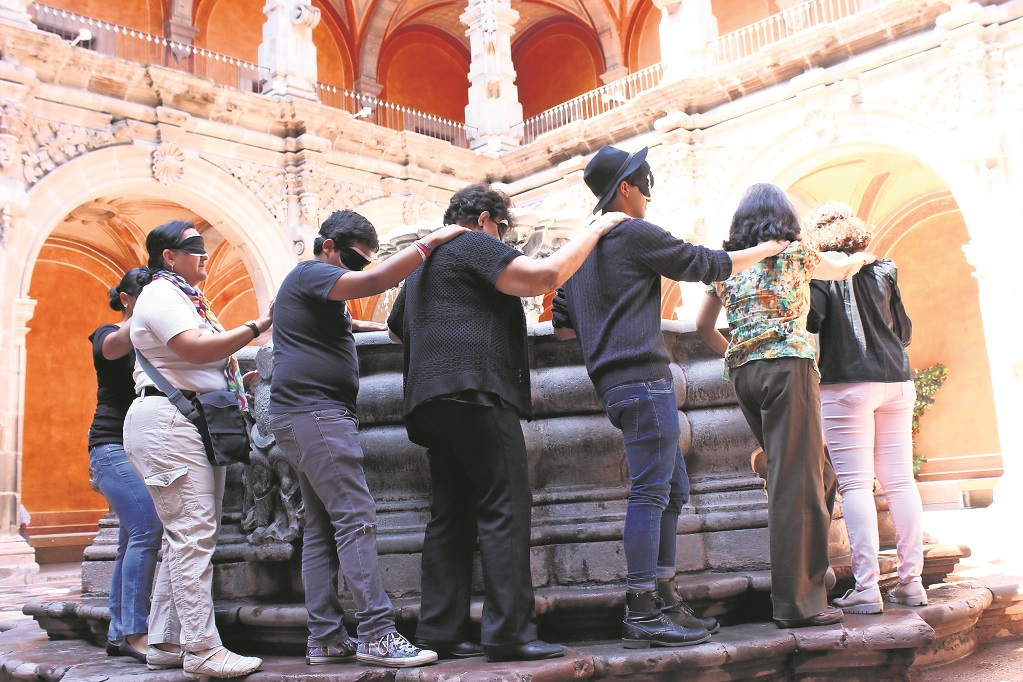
column 679, row 611
column 645, row 626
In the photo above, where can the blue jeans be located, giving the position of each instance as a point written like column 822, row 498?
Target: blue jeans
column 138, row 541
column 647, row 414
column 340, row 524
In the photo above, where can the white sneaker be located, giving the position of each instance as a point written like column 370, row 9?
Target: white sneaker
column 394, row 651
column 867, row 600
column 910, row 594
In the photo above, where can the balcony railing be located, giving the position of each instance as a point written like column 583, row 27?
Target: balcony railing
column 751, row 39
column 144, row 48
column 730, row 47
column 593, row 103
column 394, row 116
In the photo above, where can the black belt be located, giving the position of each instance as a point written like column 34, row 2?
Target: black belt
column 154, row 391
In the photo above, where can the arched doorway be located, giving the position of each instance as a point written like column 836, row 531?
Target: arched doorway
column 918, row 223
column 78, row 247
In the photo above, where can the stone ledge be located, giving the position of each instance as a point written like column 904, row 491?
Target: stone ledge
column 876, row 647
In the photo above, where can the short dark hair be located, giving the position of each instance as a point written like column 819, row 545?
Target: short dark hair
column 764, row 213
column 834, row 227
column 345, row 228
column 166, row 236
column 468, row 203
column 636, row 177
column 131, row 284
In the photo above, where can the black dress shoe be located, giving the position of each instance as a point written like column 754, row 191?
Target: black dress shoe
column 530, row 651
column 114, row 648
column 451, row 649
column 128, row 650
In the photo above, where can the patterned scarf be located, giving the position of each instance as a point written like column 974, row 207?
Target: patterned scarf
column 202, row 306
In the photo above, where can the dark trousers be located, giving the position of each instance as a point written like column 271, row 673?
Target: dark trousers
column 780, row 399
column 480, row 489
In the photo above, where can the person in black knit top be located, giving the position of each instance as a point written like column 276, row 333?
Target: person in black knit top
column 612, row 305
column 466, row 386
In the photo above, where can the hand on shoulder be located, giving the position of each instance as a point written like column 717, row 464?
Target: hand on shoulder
column 608, row 221
column 774, row 247
column 444, row 235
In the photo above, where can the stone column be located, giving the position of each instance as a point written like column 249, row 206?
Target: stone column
column 999, row 292
column 179, row 26
column 687, row 33
column 15, row 13
column 287, row 56
column 17, row 558
column 494, row 106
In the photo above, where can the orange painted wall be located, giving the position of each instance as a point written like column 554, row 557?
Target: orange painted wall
column 644, row 42
column 60, row 383
column 231, row 27
column 421, row 71
column 940, row 294
column 235, row 28
column 146, row 16
column 71, row 286
column 554, row 67
column 735, row 14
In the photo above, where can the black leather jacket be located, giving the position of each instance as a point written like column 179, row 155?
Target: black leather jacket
column 863, row 327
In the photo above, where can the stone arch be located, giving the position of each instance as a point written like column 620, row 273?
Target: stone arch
column 68, row 276
column 605, row 25
column 642, row 40
column 792, row 153
column 206, row 190
column 924, row 225
column 555, row 60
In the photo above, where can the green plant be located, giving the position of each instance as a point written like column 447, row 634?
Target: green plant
column 927, row 381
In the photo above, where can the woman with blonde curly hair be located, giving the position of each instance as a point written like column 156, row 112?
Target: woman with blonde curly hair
column 867, row 397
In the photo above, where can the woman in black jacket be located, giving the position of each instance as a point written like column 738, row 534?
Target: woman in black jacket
column 867, row 397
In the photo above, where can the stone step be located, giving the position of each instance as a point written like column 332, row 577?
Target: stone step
column 875, row 647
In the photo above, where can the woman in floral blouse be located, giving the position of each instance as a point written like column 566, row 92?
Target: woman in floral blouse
column 769, row 359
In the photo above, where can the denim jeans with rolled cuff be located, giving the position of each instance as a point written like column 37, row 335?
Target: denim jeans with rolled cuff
column 647, row 414
column 138, row 541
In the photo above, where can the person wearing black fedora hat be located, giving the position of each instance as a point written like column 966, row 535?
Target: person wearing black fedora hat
column 612, row 305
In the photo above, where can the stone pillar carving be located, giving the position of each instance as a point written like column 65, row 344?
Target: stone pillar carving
column 179, row 26
column 687, row 33
column 17, row 558
column 998, row 290
column 494, row 106
column 287, row 56
column 15, row 13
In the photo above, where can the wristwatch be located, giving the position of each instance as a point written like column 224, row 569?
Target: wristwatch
column 251, row 324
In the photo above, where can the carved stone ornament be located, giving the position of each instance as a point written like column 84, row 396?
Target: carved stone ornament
column 954, row 94
column 267, row 183
column 412, row 208
column 51, row 144
column 336, row 195
column 304, row 14
column 820, row 124
column 168, row 163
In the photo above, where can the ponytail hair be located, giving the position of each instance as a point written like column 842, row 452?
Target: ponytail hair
column 131, row 284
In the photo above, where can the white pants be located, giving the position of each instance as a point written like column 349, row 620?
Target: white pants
column 167, row 451
column 868, row 430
